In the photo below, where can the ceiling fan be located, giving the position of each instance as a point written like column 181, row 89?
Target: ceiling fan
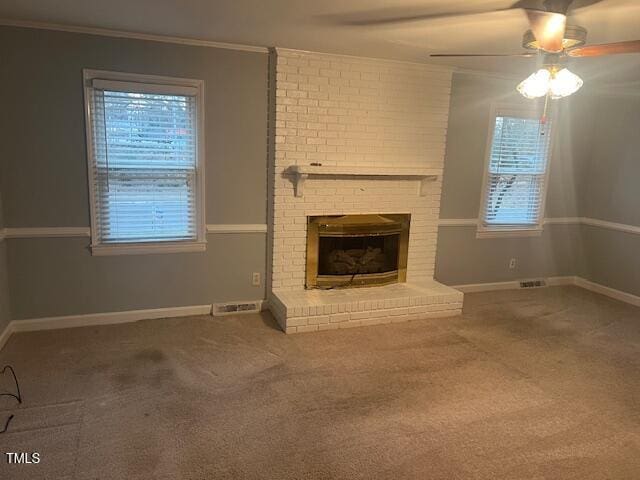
column 549, row 36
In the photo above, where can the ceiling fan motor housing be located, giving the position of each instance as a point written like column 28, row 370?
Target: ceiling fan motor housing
column 557, row 6
column 574, row 36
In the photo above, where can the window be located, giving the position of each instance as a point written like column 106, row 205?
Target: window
column 146, row 173
column 516, row 174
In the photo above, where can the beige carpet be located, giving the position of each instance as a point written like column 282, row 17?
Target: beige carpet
column 541, row 384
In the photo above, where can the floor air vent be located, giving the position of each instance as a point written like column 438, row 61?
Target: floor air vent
column 220, row 309
column 532, row 283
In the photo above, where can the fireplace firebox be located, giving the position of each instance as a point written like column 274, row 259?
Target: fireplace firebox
column 357, row 250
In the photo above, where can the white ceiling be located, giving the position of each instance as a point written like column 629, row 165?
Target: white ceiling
column 323, row 25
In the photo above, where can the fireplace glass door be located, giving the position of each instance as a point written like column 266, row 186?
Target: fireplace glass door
column 356, row 250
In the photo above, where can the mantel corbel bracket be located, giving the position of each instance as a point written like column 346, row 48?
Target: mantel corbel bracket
column 299, row 180
column 425, row 183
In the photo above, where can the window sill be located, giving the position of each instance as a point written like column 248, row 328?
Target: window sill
column 509, row 233
column 147, row 248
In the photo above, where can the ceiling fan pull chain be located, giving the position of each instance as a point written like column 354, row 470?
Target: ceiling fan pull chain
column 543, row 118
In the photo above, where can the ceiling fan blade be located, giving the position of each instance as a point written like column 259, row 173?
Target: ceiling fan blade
column 559, row 6
column 578, row 4
column 527, row 55
column 632, row 46
column 548, row 28
column 396, row 15
column 369, row 22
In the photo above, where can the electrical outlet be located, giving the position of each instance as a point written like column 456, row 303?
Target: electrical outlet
column 512, row 263
column 255, row 279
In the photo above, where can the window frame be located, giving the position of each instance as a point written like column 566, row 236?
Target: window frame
column 99, row 248
column 493, row 231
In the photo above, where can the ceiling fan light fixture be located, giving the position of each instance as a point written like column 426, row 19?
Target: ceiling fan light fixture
column 535, row 85
column 550, row 81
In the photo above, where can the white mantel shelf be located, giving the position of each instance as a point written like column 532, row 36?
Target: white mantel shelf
column 300, row 173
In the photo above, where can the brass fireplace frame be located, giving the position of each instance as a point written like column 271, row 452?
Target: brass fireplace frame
column 356, row 226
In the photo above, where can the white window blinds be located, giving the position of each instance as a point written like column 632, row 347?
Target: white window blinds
column 517, row 171
column 144, row 162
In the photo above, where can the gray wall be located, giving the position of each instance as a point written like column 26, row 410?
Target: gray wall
column 594, row 172
column 610, row 191
column 464, row 259
column 461, row 257
column 45, row 180
column 5, row 307
column 51, row 277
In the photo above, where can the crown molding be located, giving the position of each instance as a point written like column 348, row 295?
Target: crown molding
column 197, row 42
column 105, row 32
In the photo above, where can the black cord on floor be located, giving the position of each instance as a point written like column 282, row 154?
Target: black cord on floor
column 17, row 395
column 15, row 380
column 6, row 424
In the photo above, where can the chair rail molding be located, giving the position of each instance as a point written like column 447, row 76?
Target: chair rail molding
column 225, row 228
column 237, row 228
column 593, row 222
column 85, row 232
column 621, row 227
column 47, row 232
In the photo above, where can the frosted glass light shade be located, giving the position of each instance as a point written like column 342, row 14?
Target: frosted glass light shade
column 564, row 83
column 535, row 85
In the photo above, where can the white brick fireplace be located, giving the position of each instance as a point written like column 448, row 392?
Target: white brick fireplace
column 355, row 136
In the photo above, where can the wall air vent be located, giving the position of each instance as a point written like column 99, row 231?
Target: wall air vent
column 533, row 283
column 220, row 309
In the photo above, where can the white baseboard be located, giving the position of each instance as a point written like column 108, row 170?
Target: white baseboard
column 557, row 281
column 552, row 282
column 510, row 285
column 4, row 336
column 486, row 287
column 91, row 319
column 608, row 291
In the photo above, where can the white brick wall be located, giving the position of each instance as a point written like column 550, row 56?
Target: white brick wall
column 339, row 110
